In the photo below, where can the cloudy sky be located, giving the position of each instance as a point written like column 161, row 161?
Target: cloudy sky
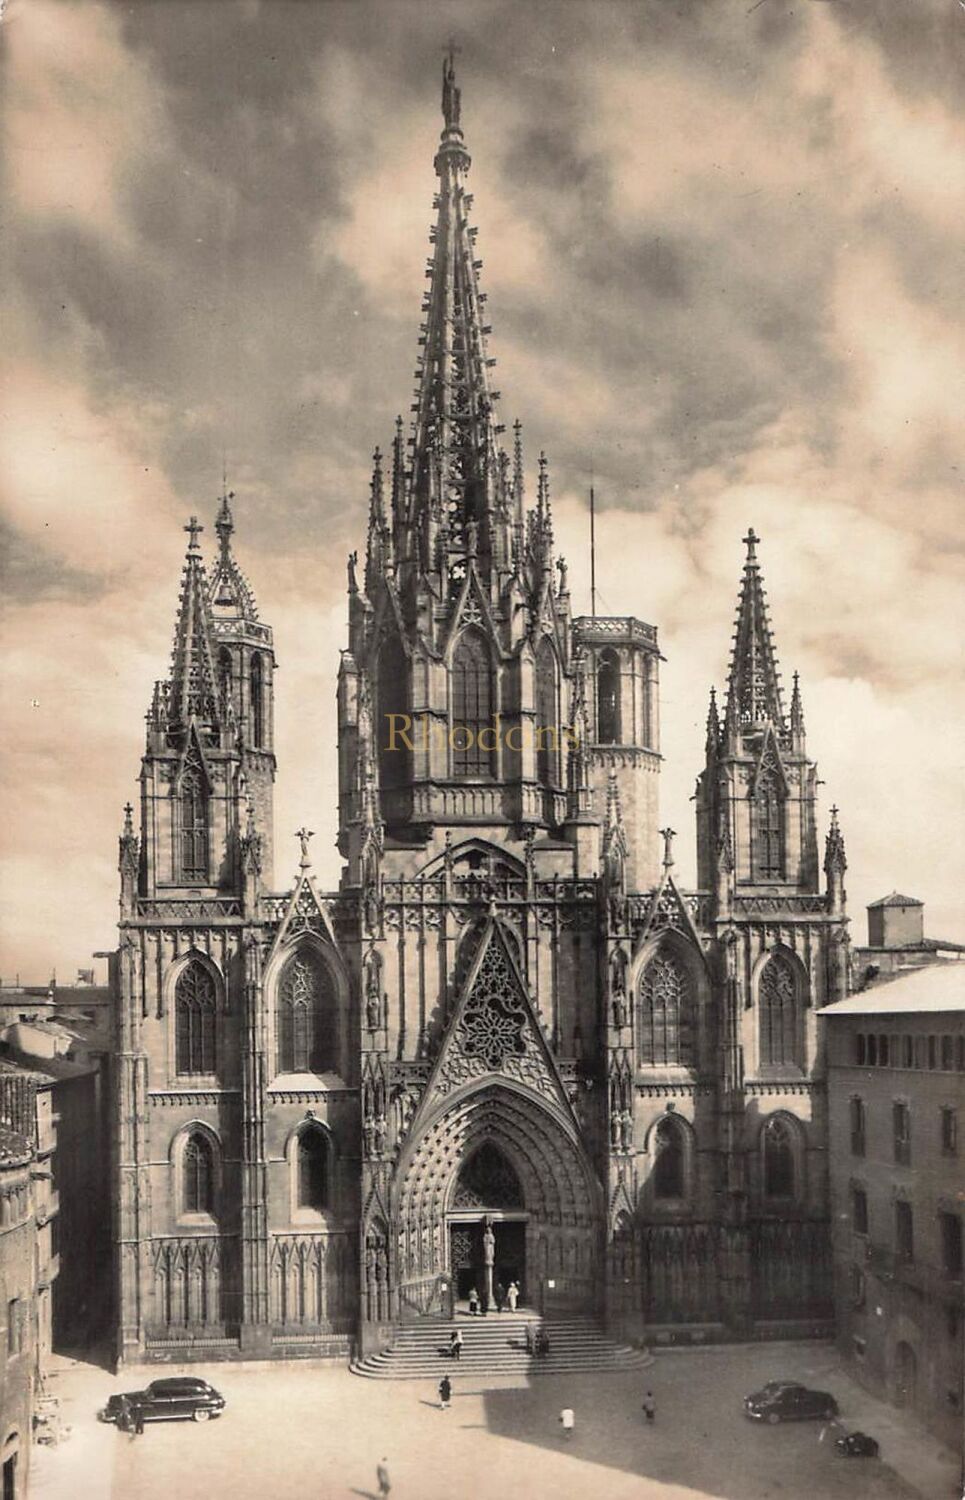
column 723, row 249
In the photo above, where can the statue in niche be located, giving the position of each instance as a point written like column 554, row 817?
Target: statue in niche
column 626, row 1130
column 373, row 996
column 368, row 1134
column 379, row 1133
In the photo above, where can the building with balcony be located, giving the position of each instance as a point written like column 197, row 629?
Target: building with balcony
column 896, row 1105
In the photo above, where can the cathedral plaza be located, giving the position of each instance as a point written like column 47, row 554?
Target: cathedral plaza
column 503, row 1440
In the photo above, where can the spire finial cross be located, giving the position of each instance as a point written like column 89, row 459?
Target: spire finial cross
column 194, row 530
column 303, row 835
column 750, row 542
column 668, row 835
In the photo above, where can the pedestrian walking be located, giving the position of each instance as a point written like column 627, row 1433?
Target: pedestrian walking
column 500, row 1296
column 138, row 1420
column 649, row 1406
column 455, row 1344
column 473, row 1302
column 124, row 1416
column 530, row 1341
column 445, row 1392
column 567, row 1422
column 512, row 1296
column 382, row 1475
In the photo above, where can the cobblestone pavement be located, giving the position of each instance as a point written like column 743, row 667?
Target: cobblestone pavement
column 315, row 1432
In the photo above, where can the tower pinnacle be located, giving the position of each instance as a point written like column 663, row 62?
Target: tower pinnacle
column 753, row 689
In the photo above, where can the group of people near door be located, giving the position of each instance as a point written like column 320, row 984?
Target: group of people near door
column 503, row 1296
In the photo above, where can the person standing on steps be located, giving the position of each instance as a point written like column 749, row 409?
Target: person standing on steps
column 649, row 1406
column 512, row 1296
column 473, row 1302
column 567, row 1422
column 445, row 1392
column 455, row 1344
column 382, row 1475
column 500, row 1296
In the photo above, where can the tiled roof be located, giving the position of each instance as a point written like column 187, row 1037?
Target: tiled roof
column 895, row 900
column 939, row 987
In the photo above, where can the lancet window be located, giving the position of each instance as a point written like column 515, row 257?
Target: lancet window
column 778, row 1144
column 197, row 1175
column 780, row 1021
column 608, row 698
column 257, row 700
column 195, row 1010
column 311, row 1169
column 547, row 716
column 473, row 730
column 665, row 1020
column 767, row 833
column 193, row 808
column 305, row 1016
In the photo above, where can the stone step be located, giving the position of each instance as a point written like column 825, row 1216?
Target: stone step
column 494, row 1347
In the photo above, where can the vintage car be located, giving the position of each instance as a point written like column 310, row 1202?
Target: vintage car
column 176, row 1397
column 787, row 1401
column 857, row 1445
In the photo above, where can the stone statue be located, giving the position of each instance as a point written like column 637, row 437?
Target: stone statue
column 380, row 1129
column 489, row 1244
column 373, row 998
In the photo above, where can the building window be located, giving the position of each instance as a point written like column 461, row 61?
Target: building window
column 195, row 1011
column 858, row 1287
column 778, row 1159
column 668, row 1172
column 906, row 1052
column 857, row 1127
column 665, row 1028
column 257, row 695
column 547, row 717
column 311, row 1189
column 904, row 1231
column 948, row 1054
column 860, row 1051
column 767, row 825
column 393, row 715
column 951, row 1237
column 197, row 1175
column 15, row 1323
column 872, row 1051
column 901, row 1131
column 472, row 708
column 305, row 1018
column 933, row 1052
column 859, row 1210
column 960, row 1054
column 193, row 803
column 921, row 1060
column 608, row 698
column 949, row 1131
column 779, row 1018
column 882, row 1052
column 224, row 679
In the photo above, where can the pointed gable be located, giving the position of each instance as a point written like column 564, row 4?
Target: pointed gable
column 494, row 1031
column 306, row 912
column 668, row 908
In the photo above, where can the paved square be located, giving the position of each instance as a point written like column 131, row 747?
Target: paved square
column 291, row 1432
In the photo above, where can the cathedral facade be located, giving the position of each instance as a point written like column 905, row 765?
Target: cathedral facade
column 511, row 1046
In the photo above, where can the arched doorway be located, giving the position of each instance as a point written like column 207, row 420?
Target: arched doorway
column 487, row 1195
column 906, row 1374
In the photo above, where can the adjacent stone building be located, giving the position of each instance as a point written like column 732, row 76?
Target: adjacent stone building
column 896, row 1089
column 897, row 942
column 511, row 1012
column 18, row 1287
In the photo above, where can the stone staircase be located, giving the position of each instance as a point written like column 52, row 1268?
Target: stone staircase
column 496, row 1345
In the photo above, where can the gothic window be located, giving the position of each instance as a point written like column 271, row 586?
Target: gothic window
column 668, row 1169
column 779, row 1015
column 311, row 1170
column 547, row 717
column 194, row 1020
column 193, row 797
column 257, row 696
column 767, row 836
column 778, row 1159
column 224, row 677
column 393, row 722
column 665, row 1014
column 197, row 1175
column 305, row 1017
column 472, row 709
column 608, row 698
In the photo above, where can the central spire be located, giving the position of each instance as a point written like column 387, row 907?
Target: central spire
column 457, row 475
column 754, row 687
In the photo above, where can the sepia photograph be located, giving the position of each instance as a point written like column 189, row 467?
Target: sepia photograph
column 482, row 842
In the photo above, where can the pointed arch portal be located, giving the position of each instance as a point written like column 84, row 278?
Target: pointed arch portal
column 497, row 1153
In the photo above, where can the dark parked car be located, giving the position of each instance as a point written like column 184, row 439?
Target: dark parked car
column 786, row 1401
column 857, row 1445
column 179, row 1396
